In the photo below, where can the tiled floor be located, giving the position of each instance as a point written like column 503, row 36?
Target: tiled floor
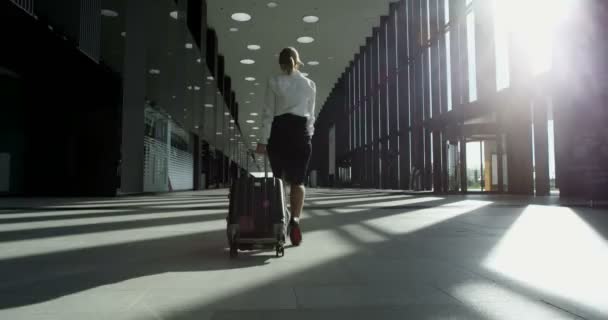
column 366, row 254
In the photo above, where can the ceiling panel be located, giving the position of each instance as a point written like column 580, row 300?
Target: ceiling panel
column 341, row 30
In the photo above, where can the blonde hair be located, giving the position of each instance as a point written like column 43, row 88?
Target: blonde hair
column 289, row 60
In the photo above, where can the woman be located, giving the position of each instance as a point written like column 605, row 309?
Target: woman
column 287, row 128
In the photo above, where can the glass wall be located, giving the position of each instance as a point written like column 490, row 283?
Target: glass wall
column 177, row 90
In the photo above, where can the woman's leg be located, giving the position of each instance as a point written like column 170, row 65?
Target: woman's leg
column 297, row 193
column 297, row 202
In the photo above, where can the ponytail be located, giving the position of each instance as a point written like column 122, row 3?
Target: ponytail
column 289, row 60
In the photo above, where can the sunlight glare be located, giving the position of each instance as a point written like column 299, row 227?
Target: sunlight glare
column 553, row 250
column 532, row 23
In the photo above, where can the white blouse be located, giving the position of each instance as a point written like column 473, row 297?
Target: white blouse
column 293, row 94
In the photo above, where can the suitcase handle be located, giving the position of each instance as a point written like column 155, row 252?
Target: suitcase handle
column 266, row 164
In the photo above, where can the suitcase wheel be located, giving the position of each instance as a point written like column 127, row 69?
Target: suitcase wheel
column 234, row 247
column 234, row 251
column 280, row 251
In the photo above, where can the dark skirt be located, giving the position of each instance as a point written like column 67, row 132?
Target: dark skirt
column 289, row 148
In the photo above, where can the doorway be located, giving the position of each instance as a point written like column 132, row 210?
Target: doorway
column 482, row 165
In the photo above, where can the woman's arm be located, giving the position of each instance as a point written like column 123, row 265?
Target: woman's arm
column 311, row 109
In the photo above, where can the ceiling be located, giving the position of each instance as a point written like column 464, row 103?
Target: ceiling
column 341, row 30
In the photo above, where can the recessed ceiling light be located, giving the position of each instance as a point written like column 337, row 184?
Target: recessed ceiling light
column 250, row 121
column 210, row 78
column 255, row 128
column 123, row 34
column 306, row 39
column 247, row 61
column 241, row 17
column 173, row 14
column 109, row 13
column 310, row 19
column 226, row 113
column 189, row 87
column 154, row 71
column 208, row 105
column 250, row 78
column 252, row 93
column 197, row 88
column 195, row 127
column 313, row 63
column 189, row 46
column 198, row 60
column 253, row 114
column 256, row 84
column 231, row 121
column 247, row 102
column 272, row 4
column 218, row 133
column 231, row 139
column 252, row 135
column 233, row 29
column 254, row 47
column 231, row 128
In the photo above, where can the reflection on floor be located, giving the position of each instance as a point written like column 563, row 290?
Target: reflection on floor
column 366, row 254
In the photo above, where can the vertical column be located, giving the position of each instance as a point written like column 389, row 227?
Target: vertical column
column 134, row 86
column 443, row 89
column 362, row 113
column 458, row 57
column 518, row 123
column 351, row 97
column 383, row 97
column 349, row 106
column 541, row 148
column 357, row 113
column 424, row 59
column 417, row 100
column 436, row 80
column 393, row 102
column 485, row 48
column 369, row 106
column 403, row 85
column 375, row 108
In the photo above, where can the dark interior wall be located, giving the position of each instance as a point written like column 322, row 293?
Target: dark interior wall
column 70, row 111
column 12, row 122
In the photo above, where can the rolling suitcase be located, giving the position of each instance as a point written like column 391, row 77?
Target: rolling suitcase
column 257, row 217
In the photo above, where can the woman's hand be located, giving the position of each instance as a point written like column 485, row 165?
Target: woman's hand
column 261, row 148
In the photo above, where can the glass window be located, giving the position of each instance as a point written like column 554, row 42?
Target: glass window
column 430, row 82
column 363, row 101
column 399, row 72
column 428, row 20
column 471, row 57
column 448, row 74
column 501, row 36
column 421, row 64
